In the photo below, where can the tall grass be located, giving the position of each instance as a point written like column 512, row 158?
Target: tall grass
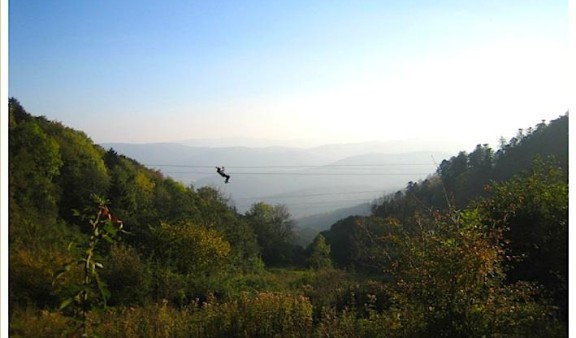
column 262, row 315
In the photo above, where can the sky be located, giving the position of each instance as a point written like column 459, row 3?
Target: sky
column 454, row 72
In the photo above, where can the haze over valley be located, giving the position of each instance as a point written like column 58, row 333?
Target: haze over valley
column 308, row 181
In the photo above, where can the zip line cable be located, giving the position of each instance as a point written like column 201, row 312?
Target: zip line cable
column 291, row 166
column 300, row 174
column 310, row 204
column 313, row 195
column 290, row 169
column 305, row 205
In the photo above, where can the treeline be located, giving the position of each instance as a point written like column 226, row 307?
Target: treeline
column 101, row 245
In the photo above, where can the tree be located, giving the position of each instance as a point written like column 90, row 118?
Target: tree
column 274, row 231
column 214, row 211
column 341, row 237
column 481, row 157
column 83, row 172
column 354, row 243
column 126, row 276
column 447, row 280
column 533, row 208
column 450, row 170
column 35, row 161
column 319, row 254
column 546, row 140
column 190, row 249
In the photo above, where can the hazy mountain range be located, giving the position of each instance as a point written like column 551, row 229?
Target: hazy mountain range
column 309, row 181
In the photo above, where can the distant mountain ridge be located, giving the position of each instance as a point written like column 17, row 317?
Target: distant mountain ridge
column 405, row 145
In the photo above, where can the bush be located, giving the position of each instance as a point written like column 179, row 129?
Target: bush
column 31, row 275
column 127, row 277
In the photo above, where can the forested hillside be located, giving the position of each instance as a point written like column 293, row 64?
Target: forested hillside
column 102, row 245
column 521, row 188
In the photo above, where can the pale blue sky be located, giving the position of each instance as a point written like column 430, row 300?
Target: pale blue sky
column 464, row 72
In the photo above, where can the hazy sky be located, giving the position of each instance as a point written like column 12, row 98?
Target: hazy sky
column 466, row 72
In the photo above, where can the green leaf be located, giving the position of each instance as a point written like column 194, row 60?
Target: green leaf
column 72, row 245
column 61, row 272
column 103, row 289
column 65, row 303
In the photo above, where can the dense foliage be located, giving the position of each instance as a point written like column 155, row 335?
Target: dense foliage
column 477, row 249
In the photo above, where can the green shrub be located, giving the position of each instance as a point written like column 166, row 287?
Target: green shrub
column 127, row 277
